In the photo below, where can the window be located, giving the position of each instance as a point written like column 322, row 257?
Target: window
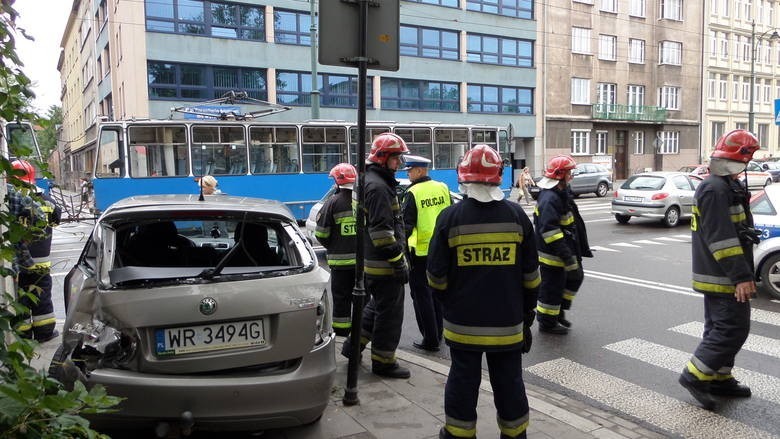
column 450, row 144
column 580, row 142
column 580, row 40
column 218, row 150
column 294, row 89
column 763, row 134
column 671, row 9
column 713, row 44
column 500, row 50
column 636, row 51
column 724, row 45
column 735, row 88
column 158, row 151
column 580, row 91
column 273, row 150
column 636, row 99
column 448, row 3
column 670, row 53
column 323, row 148
column 216, row 19
column 745, row 49
column 601, row 142
column 196, row 82
column 636, row 8
column 608, row 47
column 669, row 97
column 609, row 6
column 718, row 129
column 669, row 142
column 740, row 126
column 511, row 8
column 639, row 142
column 745, row 89
column 412, row 94
column 498, row 99
column 767, row 90
column 292, row 27
column 723, row 87
column 429, row 43
column 606, row 97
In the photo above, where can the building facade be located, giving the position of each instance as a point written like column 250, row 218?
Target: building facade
column 620, row 82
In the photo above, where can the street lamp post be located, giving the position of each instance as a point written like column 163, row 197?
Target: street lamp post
column 753, row 38
column 315, row 92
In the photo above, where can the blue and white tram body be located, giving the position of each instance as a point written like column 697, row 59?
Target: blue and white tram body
column 276, row 160
column 21, row 136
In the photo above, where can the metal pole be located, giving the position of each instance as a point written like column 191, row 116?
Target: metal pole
column 751, row 114
column 359, row 293
column 315, row 91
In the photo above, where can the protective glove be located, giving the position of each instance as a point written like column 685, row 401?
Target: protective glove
column 401, row 270
column 528, row 337
column 571, row 264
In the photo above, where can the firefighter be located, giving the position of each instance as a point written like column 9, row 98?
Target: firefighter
column 722, row 253
column 483, row 268
column 423, row 202
column 560, row 248
column 386, row 269
column 336, row 232
column 33, row 258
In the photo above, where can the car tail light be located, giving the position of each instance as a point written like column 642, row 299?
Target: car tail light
column 322, row 326
column 659, row 196
column 616, row 194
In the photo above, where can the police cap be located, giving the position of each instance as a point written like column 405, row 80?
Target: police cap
column 415, row 161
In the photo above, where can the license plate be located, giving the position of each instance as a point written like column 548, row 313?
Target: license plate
column 627, row 198
column 229, row 335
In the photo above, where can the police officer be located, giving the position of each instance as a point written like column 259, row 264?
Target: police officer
column 33, row 257
column 483, row 267
column 386, row 269
column 722, row 250
column 423, row 201
column 336, row 232
column 560, row 252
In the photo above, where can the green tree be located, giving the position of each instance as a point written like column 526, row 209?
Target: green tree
column 32, row 405
column 47, row 137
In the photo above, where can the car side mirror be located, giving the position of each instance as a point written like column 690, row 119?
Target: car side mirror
column 764, row 166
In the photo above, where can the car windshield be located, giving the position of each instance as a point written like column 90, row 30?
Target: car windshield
column 688, row 168
column 644, row 183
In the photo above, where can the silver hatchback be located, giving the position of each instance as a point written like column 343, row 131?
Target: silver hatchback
column 207, row 314
column 667, row 196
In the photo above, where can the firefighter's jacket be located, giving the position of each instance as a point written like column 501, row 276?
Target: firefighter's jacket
column 483, row 268
column 39, row 248
column 423, row 202
column 721, row 243
column 336, row 230
column 556, row 229
column 385, row 241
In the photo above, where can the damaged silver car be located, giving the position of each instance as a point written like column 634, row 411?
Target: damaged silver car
column 207, row 315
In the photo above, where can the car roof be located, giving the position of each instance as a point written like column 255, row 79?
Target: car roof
column 151, row 203
column 662, row 174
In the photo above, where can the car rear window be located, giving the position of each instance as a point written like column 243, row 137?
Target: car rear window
column 644, row 183
column 762, row 205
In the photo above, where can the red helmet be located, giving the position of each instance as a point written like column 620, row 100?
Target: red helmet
column 481, row 164
column 737, row 145
column 385, row 145
column 343, row 173
column 558, row 165
column 29, row 171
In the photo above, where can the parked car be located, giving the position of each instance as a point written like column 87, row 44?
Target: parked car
column 667, row 196
column 311, row 220
column 757, row 177
column 765, row 206
column 212, row 314
column 773, row 168
column 697, row 170
column 586, row 178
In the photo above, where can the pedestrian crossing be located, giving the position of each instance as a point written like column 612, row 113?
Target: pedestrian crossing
column 620, row 246
column 684, row 417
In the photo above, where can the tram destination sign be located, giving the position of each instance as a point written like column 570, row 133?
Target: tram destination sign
column 339, row 33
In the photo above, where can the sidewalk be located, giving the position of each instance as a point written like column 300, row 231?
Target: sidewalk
column 414, row 408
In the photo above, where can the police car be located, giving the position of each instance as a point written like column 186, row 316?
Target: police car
column 765, row 206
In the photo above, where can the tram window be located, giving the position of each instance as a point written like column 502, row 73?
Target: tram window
column 418, row 140
column 450, row 145
column 218, row 151
column 157, row 151
column 323, row 148
column 110, row 163
column 503, row 145
column 485, row 137
column 371, row 133
column 273, row 150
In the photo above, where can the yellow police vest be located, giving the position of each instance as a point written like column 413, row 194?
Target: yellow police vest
column 430, row 197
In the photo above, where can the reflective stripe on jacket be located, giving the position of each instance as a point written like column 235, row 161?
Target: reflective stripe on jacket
column 385, row 241
column 336, row 230
column 555, row 228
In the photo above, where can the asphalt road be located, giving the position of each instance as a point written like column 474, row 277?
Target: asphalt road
column 636, row 323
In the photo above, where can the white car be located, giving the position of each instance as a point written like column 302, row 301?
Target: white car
column 765, row 206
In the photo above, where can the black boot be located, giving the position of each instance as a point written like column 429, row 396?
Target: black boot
column 393, row 370
column 556, row 329
column 562, row 320
column 346, row 350
column 731, row 388
column 422, row 344
column 698, row 389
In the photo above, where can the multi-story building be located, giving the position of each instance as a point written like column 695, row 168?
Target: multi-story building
column 743, row 47
column 620, row 81
column 462, row 61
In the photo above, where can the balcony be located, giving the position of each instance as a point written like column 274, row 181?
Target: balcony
column 629, row 112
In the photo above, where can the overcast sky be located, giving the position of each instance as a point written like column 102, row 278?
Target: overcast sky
column 45, row 21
